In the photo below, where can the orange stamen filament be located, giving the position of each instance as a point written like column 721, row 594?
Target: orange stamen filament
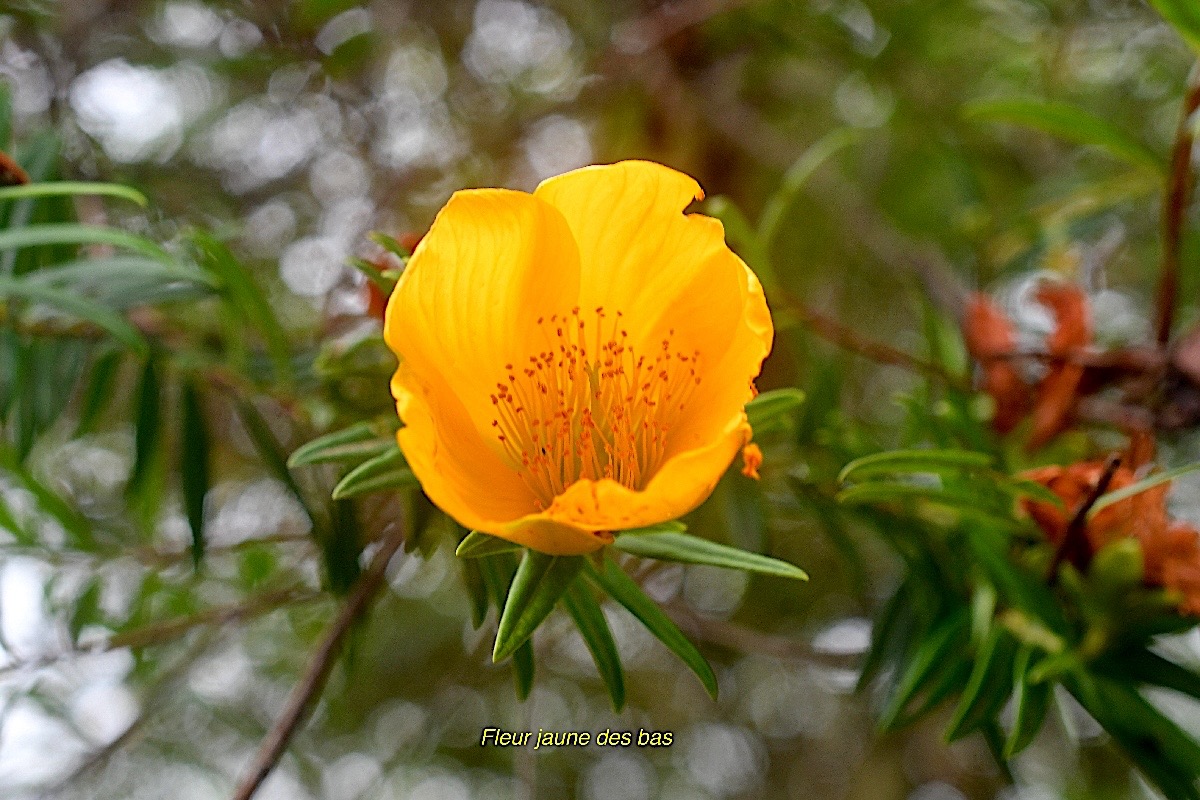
column 571, row 413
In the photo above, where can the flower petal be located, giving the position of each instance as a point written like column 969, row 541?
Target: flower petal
column 681, row 484
column 464, row 308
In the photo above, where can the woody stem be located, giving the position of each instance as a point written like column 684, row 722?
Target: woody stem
column 1075, row 539
column 1176, row 199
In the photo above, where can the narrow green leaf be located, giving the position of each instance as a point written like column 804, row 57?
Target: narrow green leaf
column 593, row 627
column 385, row 472
column 674, row 526
column 612, row 579
column 906, row 461
column 271, row 453
column 1138, row 665
column 797, row 176
column 540, row 581
column 1070, row 123
column 478, row 545
column 694, row 550
column 1030, row 702
column 989, row 685
column 71, row 188
column 888, row 633
column 1148, row 482
column 354, row 444
column 341, row 546
column 1036, row 491
column 769, row 409
column 99, row 390
column 68, row 233
column 935, row 655
column 473, row 582
column 523, row 669
column 127, row 272
column 78, row 528
column 193, row 465
column 147, row 417
column 1167, row 755
column 78, row 306
column 390, row 244
column 246, row 300
column 1184, row 16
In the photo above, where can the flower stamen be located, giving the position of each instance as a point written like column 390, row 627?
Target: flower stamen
column 571, row 413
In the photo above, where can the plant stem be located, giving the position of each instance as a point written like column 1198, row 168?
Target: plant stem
column 1175, row 204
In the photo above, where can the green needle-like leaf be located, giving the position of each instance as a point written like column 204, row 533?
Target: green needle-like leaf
column 768, row 409
column 612, row 579
column 693, row 550
column 193, row 465
column 1149, row 482
column 77, row 306
column 1184, row 16
column 478, row 545
column 1030, row 702
column 353, row 445
column 906, row 461
column 71, row 188
column 55, row 233
column 1070, row 123
column 589, row 619
column 388, row 471
column 540, row 581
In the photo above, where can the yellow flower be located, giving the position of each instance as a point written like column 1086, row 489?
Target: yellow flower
column 575, row 361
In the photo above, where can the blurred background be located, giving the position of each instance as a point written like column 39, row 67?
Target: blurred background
column 278, row 135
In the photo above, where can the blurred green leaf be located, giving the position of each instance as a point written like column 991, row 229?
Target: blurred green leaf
column 593, row 627
column 245, row 300
column 1141, row 666
column 70, row 233
column 386, row 472
column 1030, row 702
column 523, row 669
column 359, row 442
column 1184, row 16
column 770, row 409
column 989, row 685
column 77, row 306
column 540, row 581
column 612, row 579
column 1149, row 482
column 98, row 391
column 907, row 461
column 71, row 188
column 674, row 526
column 147, row 430
column 689, row 549
column 193, row 464
column 935, row 654
column 1070, row 123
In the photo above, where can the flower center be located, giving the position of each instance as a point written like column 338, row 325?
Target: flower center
column 589, row 406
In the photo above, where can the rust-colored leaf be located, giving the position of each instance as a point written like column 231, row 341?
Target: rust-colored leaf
column 991, row 340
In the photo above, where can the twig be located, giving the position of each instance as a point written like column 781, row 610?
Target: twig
column 319, row 666
column 160, row 632
column 1175, row 203
column 162, row 686
column 1075, row 538
column 847, row 338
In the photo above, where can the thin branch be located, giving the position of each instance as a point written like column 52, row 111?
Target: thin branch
column 319, row 667
column 1175, row 203
column 1075, row 538
column 847, row 338
column 162, row 686
column 162, row 632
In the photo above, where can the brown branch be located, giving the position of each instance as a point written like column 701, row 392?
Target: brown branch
column 847, row 338
column 1075, row 538
column 161, row 632
column 1175, row 203
column 319, row 666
